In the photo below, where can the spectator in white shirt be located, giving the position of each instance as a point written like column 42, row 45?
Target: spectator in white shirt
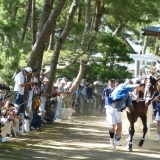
column 20, row 84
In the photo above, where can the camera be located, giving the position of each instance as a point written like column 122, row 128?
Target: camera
column 3, row 86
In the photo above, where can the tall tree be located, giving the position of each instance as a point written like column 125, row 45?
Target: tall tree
column 46, row 10
column 33, row 22
column 59, row 42
column 45, row 33
column 26, row 19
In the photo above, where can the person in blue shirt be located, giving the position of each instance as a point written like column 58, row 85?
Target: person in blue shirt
column 117, row 100
column 120, row 98
column 113, row 116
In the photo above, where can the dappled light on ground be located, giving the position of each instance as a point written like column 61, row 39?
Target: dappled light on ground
column 84, row 138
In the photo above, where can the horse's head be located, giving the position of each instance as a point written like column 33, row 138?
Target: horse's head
column 151, row 84
column 150, row 87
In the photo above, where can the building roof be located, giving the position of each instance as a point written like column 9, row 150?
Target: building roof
column 129, row 45
column 152, row 30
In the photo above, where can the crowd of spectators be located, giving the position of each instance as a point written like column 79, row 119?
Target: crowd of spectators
column 14, row 111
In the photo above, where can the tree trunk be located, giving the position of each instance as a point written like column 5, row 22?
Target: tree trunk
column 119, row 28
column 51, row 42
column 46, row 10
column 99, row 7
column 33, row 22
column 26, row 19
column 76, row 81
column 156, row 50
column 79, row 14
column 144, row 45
column 87, row 16
column 58, row 45
column 45, row 33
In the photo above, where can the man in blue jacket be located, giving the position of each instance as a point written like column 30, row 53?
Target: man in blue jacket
column 117, row 100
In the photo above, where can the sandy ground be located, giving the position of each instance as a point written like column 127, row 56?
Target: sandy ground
column 83, row 138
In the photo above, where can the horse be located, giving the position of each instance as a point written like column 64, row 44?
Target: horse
column 139, row 110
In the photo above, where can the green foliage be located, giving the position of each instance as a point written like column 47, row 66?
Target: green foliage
column 113, row 49
column 70, row 72
column 118, row 72
column 132, row 15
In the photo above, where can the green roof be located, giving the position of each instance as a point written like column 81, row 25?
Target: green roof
column 152, row 30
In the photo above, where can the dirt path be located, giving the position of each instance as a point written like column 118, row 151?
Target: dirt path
column 83, row 138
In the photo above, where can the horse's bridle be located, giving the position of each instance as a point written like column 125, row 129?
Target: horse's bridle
column 149, row 88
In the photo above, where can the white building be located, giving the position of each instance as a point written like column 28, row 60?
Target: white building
column 140, row 61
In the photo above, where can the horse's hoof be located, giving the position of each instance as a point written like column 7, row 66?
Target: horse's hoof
column 140, row 144
column 130, row 149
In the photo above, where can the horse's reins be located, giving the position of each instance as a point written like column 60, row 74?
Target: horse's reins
column 145, row 90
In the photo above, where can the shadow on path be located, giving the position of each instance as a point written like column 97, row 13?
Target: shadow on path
column 83, row 138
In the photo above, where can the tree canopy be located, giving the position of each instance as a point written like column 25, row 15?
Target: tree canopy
column 68, row 31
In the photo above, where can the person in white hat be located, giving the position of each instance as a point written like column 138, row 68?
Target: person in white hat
column 20, row 84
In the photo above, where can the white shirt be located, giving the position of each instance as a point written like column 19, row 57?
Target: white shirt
column 19, row 79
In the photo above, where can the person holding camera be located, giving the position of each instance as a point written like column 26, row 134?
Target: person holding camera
column 20, row 84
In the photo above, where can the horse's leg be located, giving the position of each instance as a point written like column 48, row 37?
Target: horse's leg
column 145, row 129
column 131, row 133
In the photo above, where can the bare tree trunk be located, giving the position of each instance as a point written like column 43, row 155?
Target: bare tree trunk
column 58, row 45
column 144, row 45
column 15, row 13
column 87, row 16
column 119, row 28
column 156, row 50
column 83, row 62
column 51, row 42
column 33, row 22
column 26, row 19
column 79, row 14
column 45, row 33
column 76, row 82
column 46, row 10
column 99, row 8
